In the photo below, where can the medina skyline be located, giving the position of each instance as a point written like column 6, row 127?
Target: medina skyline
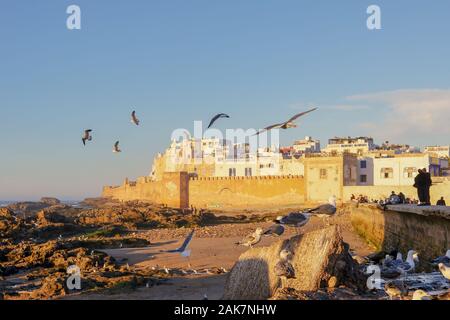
column 175, row 63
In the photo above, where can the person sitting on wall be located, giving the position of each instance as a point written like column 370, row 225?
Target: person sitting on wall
column 402, row 198
column 393, row 199
column 441, row 202
column 352, row 198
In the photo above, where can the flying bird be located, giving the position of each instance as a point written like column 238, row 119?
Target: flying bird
column 216, row 117
column 134, row 119
column 87, row 136
column 116, row 147
column 286, row 125
column 252, row 239
column 183, row 247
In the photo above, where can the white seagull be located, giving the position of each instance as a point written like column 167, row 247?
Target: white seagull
column 251, row 239
column 285, row 125
column 86, row 136
column 410, row 264
column 116, row 148
column 134, row 119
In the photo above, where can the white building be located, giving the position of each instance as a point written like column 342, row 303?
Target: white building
column 307, row 145
column 359, row 145
column 439, row 151
column 400, row 170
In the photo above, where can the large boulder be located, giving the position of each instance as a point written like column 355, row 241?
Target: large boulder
column 50, row 201
column 7, row 222
column 320, row 258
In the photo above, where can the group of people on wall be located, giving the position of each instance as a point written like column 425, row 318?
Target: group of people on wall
column 422, row 182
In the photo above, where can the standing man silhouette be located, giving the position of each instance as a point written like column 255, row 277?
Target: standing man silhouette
column 419, row 185
column 427, row 185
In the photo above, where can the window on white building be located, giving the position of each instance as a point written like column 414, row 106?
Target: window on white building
column 363, row 178
column 248, row 172
column 387, row 173
column 409, row 172
column 232, row 172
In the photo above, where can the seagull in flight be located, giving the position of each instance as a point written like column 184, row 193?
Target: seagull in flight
column 134, row 119
column 286, row 125
column 216, row 117
column 116, row 147
column 87, row 136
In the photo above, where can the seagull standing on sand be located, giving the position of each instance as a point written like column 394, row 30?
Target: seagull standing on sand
column 286, row 125
column 216, row 117
column 444, row 259
column 251, row 239
column 284, row 268
column 444, row 270
column 275, row 230
column 134, row 119
column 116, row 147
column 87, row 136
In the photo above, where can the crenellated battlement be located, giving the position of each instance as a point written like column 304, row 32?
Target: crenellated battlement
column 252, row 178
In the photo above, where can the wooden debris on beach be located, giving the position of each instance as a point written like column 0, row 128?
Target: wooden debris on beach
column 317, row 257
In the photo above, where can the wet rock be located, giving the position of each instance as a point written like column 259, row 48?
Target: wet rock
column 28, row 207
column 53, row 285
column 46, row 217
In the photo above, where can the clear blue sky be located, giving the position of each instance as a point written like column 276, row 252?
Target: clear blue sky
column 176, row 61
